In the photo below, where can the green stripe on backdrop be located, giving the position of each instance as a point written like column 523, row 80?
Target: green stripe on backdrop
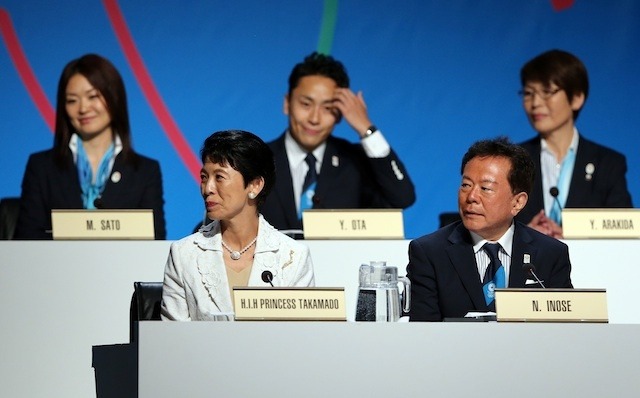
column 329, row 17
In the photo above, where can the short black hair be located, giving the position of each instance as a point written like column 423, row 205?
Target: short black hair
column 520, row 176
column 319, row 64
column 561, row 68
column 244, row 152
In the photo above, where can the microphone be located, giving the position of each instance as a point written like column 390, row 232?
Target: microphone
column 98, row 203
column 530, row 269
column 267, row 277
column 315, row 199
column 555, row 192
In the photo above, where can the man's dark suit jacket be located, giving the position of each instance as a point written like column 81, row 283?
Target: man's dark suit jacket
column 607, row 187
column 46, row 186
column 348, row 179
column 444, row 276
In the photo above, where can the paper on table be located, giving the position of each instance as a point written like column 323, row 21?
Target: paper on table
column 478, row 314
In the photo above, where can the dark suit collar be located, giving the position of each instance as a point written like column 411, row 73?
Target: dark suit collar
column 68, row 184
column 283, row 187
column 118, row 181
column 536, row 199
column 330, row 170
column 464, row 261
column 579, row 187
column 522, row 247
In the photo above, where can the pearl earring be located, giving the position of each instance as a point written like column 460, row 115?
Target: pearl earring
column 252, row 195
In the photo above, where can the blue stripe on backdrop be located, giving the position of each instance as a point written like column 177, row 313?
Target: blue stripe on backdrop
column 436, row 76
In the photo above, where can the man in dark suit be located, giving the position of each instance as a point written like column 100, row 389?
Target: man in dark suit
column 340, row 174
column 571, row 171
column 452, row 270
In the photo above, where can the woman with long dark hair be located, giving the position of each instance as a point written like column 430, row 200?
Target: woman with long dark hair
column 92, row 163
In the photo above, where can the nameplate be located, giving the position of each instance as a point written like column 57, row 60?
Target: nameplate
column 551, row 305
column 601, row 223
column 102, row 224
column 353, row 224
column 289, row 304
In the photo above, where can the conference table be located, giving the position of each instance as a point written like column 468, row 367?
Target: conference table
column 60, row 299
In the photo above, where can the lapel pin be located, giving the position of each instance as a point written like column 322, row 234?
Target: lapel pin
column 335, row 162
column 526, row 259
column 116, row 177
column 589, row 169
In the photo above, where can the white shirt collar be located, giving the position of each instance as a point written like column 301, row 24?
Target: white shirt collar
column 506, row 240
column 296, row 154
column 544, row 147
column 75, row 138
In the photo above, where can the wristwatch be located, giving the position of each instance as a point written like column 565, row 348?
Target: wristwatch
column 372, row 129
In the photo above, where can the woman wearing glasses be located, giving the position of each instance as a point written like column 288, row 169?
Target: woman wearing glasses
column 571, row 171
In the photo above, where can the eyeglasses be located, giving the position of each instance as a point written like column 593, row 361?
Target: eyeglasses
column 546, row 93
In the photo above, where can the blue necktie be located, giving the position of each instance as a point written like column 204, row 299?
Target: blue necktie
column 564, row 182
column 494, row 277
column 309, row 186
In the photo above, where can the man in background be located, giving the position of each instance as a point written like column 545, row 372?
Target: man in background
column 315, row 169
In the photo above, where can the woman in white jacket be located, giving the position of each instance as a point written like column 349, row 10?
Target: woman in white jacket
column 239, row 248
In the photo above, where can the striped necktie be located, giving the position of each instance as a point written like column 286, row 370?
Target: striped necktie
column 309, row 185
column 494, row 276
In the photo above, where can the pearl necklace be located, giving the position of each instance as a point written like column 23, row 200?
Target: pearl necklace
column 235, row 255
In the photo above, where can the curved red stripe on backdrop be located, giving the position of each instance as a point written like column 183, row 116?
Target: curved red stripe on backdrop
column 23, row 67
column 171, row 129
column 560, row 5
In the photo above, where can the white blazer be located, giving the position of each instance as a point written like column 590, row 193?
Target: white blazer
column 196, row 286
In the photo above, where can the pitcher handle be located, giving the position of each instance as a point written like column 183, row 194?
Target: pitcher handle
column 406, row 293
